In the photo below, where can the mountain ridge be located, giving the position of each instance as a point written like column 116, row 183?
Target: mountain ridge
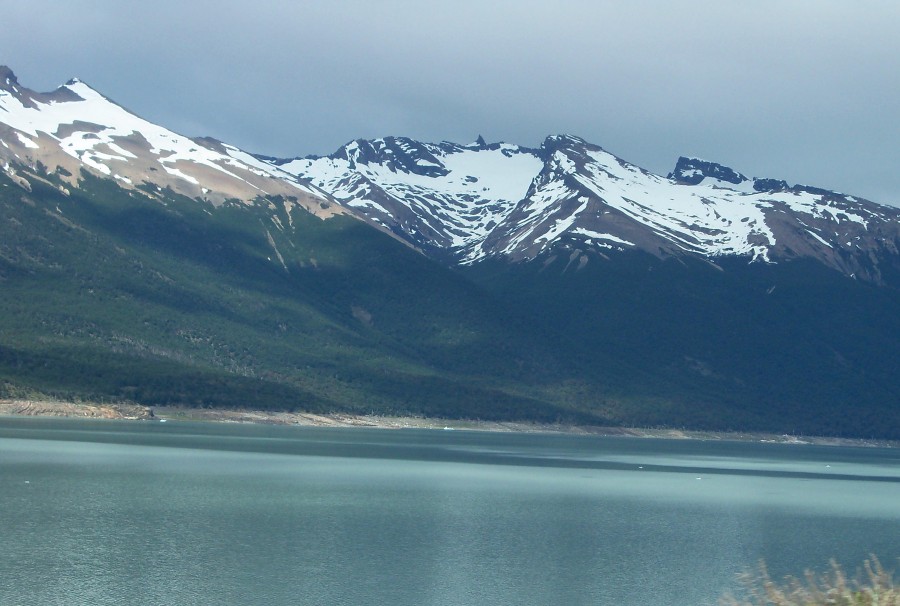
column 464, row 203
column 579, row 197
column 75, row 127
column 550, row 283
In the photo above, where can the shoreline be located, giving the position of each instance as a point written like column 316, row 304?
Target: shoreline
column 137, row 412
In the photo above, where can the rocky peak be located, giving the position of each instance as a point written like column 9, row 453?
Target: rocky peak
column 770, row 185
column 398, row 154
column 692, row 171
column 555, row 143
column 7, row 78
column 10, row 84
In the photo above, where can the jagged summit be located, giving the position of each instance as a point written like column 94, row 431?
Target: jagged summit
column 553, row 142
column 396, row 153
column 693, row 171
column 7, row 77
column 9, row 82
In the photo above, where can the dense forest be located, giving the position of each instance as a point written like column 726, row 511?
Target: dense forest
column 112, row 295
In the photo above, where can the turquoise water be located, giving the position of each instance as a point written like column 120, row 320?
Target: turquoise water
column 101, row 512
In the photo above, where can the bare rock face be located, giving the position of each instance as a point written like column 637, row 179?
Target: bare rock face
column 7, row 78
column 692, row 171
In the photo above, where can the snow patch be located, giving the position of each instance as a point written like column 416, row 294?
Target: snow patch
column 27, row 142
column 599, row 236
column 821, row 239
column 177, row 173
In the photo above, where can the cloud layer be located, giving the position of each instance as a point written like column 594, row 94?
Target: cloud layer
column 806, row 91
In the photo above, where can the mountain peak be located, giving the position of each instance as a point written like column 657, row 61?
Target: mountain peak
column 7, row 77
column 692, row 171
column 556, row 140
column 77, row 89
column 76, row 128
column 565, row 144
column 398, row 154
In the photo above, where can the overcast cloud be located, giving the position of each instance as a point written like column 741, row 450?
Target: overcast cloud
column 807, row 91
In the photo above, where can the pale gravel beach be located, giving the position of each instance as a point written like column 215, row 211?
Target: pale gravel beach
column 124, row 411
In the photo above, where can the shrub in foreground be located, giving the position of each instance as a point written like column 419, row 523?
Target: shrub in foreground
column 874, row 588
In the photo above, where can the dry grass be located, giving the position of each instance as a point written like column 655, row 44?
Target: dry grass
column 874, row 587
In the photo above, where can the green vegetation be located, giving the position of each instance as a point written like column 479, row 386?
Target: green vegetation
column 111, row 295
column 791, row 347
column 875, row 589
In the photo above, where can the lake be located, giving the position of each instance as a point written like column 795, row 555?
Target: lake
column 110, row 512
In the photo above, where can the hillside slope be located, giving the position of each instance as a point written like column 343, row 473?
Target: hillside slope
column 486, row 281
column 110, row 295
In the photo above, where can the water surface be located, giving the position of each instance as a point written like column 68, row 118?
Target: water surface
column 100, row 512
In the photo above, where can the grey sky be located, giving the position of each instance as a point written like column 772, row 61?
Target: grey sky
column 807, row 91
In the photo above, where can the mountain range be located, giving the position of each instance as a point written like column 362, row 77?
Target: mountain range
column 483, row 280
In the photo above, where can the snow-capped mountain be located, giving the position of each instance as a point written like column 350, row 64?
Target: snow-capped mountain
column 138, row 264
column 483, row 201
column 443, row 198
column 75, row 128
column 586, row 198
column 460, row 203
